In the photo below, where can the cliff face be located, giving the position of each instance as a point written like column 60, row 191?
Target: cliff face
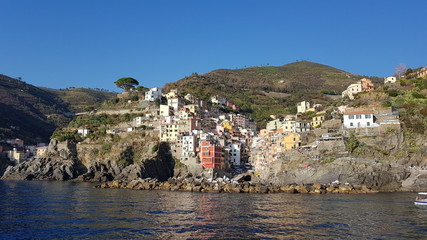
column 61, row 163
column 355, row 171
column 67, row 161
column 381, row 163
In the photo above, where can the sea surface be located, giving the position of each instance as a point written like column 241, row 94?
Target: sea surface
column 66, row 210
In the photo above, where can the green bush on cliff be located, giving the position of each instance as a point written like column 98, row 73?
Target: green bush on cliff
column 155, row 148
column 105, row 148
column 64, row 135
column 126, row 157
column 352, row 143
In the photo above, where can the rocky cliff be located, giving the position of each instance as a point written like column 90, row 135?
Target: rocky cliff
column 354, row 171
column 61, row 163
column 69, row 161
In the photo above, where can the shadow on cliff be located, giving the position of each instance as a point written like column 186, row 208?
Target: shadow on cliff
column 160, row 167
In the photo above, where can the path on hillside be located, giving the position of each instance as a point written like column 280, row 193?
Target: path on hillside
column 121, row 111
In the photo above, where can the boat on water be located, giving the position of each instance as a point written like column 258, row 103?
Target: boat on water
column 421, row 199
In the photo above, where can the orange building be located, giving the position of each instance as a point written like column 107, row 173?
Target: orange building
column 210, row 154
column 367, row 85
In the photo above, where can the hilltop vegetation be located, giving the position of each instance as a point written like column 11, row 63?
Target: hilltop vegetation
column 262, row 91
column 32, row 113
column 79, row 99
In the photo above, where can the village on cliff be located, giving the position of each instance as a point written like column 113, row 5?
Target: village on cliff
column 203, row 134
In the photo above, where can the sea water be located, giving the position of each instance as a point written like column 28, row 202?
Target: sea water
column 66, row 210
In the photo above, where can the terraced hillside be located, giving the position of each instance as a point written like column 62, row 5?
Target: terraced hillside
column 262, row 91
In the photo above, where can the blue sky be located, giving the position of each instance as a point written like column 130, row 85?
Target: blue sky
column 80, row 43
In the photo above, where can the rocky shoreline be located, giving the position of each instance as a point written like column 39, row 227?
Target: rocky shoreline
column 224, row 185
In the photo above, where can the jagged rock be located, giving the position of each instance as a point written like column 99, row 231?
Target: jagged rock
column 130, row 172
column 45, row 169
column 378, row 176
column 101, row 172
column 417, row 181
column 263, row 189
column 132, row 184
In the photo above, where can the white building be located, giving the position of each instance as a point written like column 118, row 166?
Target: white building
column 175, row 103
column 83, row 132
column 358, row 119
column 152, row 94
column 219, row 100
column 300, row 127
column 165, row 110
column 288, row 125
column 352, row 90
column 188, row 147
column 303, row 107
column 17, row 155
column 274, row 124
column 138, row 120
column 235, row 153
column 390, row 79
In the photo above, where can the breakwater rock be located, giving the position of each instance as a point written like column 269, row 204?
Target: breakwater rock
column 225, row 185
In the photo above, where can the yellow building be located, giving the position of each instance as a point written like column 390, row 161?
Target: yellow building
column 169, row 132
column 317, row 121
column 227, row 125
column 291, row 141
column 172, row 94
column 193, row 108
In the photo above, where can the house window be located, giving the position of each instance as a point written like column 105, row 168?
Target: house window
column 368, row 123
column 358, row 116
column 351, row 124
column 350, row 116
column 367, row 115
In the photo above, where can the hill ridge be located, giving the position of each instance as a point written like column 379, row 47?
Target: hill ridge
column 250, row 87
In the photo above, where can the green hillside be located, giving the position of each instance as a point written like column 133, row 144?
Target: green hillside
column 33, row 113
column 262, row 91
column 80, row 98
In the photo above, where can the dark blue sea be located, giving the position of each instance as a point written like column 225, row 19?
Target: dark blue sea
column 66, row 210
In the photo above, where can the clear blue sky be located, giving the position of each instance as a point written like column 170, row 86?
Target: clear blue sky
column 92, row 43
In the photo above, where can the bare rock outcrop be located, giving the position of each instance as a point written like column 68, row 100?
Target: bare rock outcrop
column 61, row 163
column 417, row 181
column 372, row 174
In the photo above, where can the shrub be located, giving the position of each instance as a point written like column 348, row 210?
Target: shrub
column 155, row 148
column 105, row 148
column 352, row 143
column 126, row 157
column 63, row 135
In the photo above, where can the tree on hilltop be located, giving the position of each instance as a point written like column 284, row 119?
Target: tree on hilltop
column 126, row 83
column 400, row 70
column 141, row 89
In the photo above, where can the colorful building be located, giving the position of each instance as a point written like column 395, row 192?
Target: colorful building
column 211, row 154
column 291, row 141
column 317, row 120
